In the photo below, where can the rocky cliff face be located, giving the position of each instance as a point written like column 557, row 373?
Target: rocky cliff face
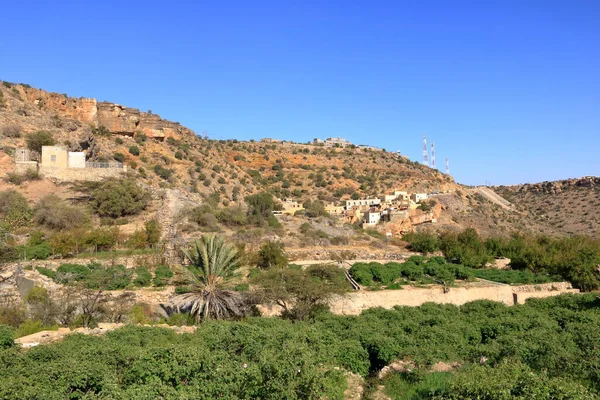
column 116, row 118
column 555, row 187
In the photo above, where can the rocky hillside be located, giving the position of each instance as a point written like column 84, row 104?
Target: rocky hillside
column 183, row 169
column 569, row 206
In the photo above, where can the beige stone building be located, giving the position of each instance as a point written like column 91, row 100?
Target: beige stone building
column 55, row 156
column 290, row 206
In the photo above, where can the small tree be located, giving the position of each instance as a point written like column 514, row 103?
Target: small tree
column 153, row 232
column 301, row 292
column 116, row 198
column 36, row 140
column 41, row 305
column 272, row 255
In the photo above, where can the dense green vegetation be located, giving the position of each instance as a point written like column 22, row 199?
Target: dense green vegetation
column 515, row 277
column 421, row 270
column 575, row 258
column 115, row 277
column 415, row 269
column 546, row 349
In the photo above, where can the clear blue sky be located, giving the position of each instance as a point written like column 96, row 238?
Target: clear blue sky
column 509, row 90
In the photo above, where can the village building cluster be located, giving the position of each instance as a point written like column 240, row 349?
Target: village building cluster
column 369, row 212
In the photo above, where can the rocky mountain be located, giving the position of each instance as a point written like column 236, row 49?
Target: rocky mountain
column 184, row 169
column 570, row 206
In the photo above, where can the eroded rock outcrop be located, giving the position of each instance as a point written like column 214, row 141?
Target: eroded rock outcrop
column 116, row 118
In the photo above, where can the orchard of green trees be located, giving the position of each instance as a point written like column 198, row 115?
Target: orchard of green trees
column 545, row 349
column 575, row 258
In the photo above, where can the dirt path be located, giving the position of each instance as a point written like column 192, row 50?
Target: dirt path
column 492, row 196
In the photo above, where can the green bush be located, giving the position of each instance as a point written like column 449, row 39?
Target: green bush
column 143, row 277
column 134, row 150
column 36, row 140
column 54, row 213
column 272, row 255
column 117, row 198
column 14, row 210
column 46, row 272
column 6, row 337
column 162, row 275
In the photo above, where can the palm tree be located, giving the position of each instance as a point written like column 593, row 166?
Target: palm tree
column 212, row 262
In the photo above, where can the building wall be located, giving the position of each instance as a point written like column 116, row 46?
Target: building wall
column 55, row 156
column 362, row 202
column 76, row 159
column 22, row 155
column 81, row 174
column 356, row 302
column 24, row 166
column 416, row 197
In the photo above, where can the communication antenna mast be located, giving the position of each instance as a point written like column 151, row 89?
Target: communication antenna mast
column 432, row 155
column 425, row 157
column 447, row 166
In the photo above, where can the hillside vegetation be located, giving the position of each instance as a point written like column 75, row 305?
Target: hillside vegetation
column 184, row 169
column 546, row 349
column 570, row 206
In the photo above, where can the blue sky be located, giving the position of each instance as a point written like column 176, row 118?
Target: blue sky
column 508, row 90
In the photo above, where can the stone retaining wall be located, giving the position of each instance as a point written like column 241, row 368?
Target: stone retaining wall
column 543, row 287
column 81, row 174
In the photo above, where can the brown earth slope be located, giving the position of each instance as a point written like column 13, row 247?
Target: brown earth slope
column 569, row 206
column 183, row 168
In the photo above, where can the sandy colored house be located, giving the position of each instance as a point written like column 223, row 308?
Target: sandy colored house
column 331, row 208
column 290, row 206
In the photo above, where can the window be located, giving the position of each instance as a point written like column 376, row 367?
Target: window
column 53, row 158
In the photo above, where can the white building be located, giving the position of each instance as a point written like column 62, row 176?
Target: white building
column 417, row 197
column 372, row 217
column 362, row 203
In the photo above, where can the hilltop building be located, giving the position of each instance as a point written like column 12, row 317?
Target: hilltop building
column 332, row 142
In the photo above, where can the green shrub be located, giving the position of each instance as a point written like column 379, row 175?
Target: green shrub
column 116, row 198
column 36, row 140
column 120, row 157
column 14, row 210
column 54, row 213
column 162, row 275
column 6, row 337
column 30, row 327
column 69, row 273
column 46, row 272
column 143, row 277
column 134, row 150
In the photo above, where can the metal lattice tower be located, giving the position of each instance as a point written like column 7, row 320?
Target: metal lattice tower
column 425, row 156
column 432, row 155
column 447, row 166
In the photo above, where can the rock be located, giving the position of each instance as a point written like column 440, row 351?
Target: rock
column 109, row 326
column 118, row 119
column 396, row 366
column 64, row 331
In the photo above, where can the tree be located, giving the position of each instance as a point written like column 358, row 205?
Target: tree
column 36, row 140
column 117, row 198
column 14, row 210
column 52, row 212
column 272, row 255
column 41, row 305
column 260, row 205
column 153, row 231
column 422, row 242
column 212, row 263
column 301, row 292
